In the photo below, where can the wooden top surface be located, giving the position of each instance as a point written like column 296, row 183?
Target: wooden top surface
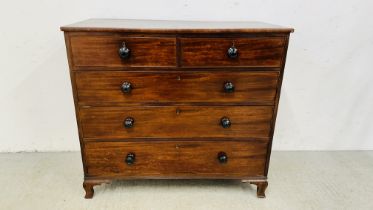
column 173, row 26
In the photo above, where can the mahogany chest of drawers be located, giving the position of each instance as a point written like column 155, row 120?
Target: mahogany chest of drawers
column 175, row 99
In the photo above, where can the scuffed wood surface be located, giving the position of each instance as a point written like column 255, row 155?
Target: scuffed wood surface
column 170, row 26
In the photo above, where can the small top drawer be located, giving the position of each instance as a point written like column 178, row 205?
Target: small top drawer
column 239, row 52
column 119, row 51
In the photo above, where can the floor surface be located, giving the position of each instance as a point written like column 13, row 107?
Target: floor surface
column 297, row 180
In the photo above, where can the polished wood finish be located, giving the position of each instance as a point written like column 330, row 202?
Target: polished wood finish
column 261, row 188
column 164, row 159
column 89, row 184
column 102, row 51
column 176, row 122
column 172, row 26
column 252, row 52
column 97, row 87
column 179, row 106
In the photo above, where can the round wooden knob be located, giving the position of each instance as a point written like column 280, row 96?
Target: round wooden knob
column 222, row 157
column 228, row 87
column 225, row 122
column 130, row 158
column 124, row 52
column 126, row 87
column 129, row 122
column 232, row 52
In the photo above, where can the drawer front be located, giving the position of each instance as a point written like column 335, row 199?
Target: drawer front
column 176, row 159
column 103, row 51
column 219, row 87
column 251, row 52
column 176, row 122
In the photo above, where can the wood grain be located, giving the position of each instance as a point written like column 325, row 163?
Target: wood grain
column 261, row 188
column 277, row 100
column 177, row 70
column 196, row 159
column 75, row 97
column 176, row 122
column 102, row 51
column 98, row 87
column 252, row 52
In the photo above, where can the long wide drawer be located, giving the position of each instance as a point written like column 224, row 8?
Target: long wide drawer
column 176, row 122
column 176, row 159
column 103, row 51
column 141, row 87
column 223, row 52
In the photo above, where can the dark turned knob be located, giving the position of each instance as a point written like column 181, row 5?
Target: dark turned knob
column 232, row 52
column 225, row 122
column 222, row 157
column 128, row 122
column 124, row 52
column 126, row 87
column 228, row 87
column 130, row 158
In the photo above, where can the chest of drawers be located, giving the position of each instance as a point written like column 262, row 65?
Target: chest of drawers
column 175, row 99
